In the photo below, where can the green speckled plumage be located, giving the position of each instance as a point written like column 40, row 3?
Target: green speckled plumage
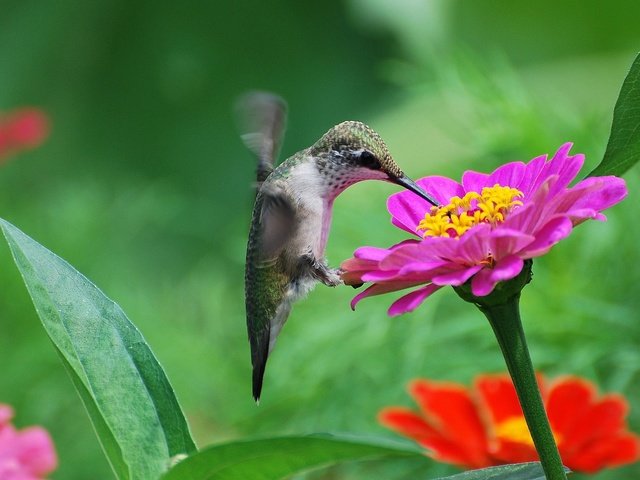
column 265, row 286
column 357, row 135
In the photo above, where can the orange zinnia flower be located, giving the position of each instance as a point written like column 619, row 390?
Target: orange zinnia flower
column 483, row 425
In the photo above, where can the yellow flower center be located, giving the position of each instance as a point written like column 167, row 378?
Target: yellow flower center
column 514, row 429
column 490, row 206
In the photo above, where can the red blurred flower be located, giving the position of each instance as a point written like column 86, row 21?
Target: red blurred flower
column 22, row 129
column 483, row 425
column 26, row 454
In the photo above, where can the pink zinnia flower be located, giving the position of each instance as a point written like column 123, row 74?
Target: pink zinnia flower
column 485, row 230
column 26, row 454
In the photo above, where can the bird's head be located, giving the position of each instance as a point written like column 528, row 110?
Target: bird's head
column 351, row 151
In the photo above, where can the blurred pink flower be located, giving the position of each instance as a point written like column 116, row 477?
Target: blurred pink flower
column 26, row 454
column 22, row 129
column 485, row 230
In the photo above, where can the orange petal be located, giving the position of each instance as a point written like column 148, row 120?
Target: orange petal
column 513, row 452
column 568, row 400
column 606, row 452
column 604, row 419
column 498, row 397
column 449, row 408
column 407, row 422
column 499, row 402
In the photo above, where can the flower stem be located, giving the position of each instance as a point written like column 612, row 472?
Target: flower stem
column 507, row 326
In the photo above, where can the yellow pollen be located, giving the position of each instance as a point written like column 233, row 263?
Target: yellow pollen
column 514, row 429
column 492, row 206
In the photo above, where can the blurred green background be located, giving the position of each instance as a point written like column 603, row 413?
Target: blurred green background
column 145, row 187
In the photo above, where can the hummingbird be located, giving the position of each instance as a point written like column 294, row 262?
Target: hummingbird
column 292, row 213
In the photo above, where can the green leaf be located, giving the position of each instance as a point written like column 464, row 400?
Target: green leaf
column 623, row 148
column 517, row 471
column 128, row 397
column 276, row 458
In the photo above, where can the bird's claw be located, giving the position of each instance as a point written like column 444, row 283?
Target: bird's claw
column 332, row 277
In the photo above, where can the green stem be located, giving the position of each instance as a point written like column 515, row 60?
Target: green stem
column 507, row 326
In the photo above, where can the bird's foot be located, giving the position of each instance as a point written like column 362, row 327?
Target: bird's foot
column 321, row 272
column 332, row 277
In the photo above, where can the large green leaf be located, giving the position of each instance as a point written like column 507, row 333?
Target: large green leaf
column 517, row 471
column 276, row 458
column 623, row 148
column 128, row 397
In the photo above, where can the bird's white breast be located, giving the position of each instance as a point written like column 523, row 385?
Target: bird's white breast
column 309, row 191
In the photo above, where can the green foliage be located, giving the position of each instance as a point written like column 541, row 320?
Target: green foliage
column 623, row 148
column 125, row 391
column 276, row 458
column 520, row 471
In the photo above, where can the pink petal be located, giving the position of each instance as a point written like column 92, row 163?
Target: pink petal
column 6, row 414
column 532, row 173
column 26, row 454
column 473, row 246
column 606, row 192
column 587, row 197
column 561, row 154
column 380, row 275
column 565, row 167
column 534, row 212
column 578, row 216
column 504, row 242
column 486, row 279
column 508, row 175
column 568, row 172
column 562, row 166
column 352, row 265
column 524, row 218
column 371, row 253
column 380, row 288
column 399, row 257
column 366, row 259
column 424, row 268
column 354, row 268
column 507, row 268
column 428, row 250
column 456, row 277
column 555, row 165
column 410, row 272
column 554, row 231
column 442, row 188
column 412, row 300
column 481, row 283
column 474, row 181
column 35, row 451
column 407, row 209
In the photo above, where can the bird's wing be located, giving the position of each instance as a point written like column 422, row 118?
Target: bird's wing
column 262, row 120
column 277, row 222
column 265, row 279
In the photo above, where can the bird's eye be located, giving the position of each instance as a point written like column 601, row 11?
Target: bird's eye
column 369, row 160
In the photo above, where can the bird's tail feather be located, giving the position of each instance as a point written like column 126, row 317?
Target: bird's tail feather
column 259, row 355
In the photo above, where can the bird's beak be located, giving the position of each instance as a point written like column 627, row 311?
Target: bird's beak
column 409, row 184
